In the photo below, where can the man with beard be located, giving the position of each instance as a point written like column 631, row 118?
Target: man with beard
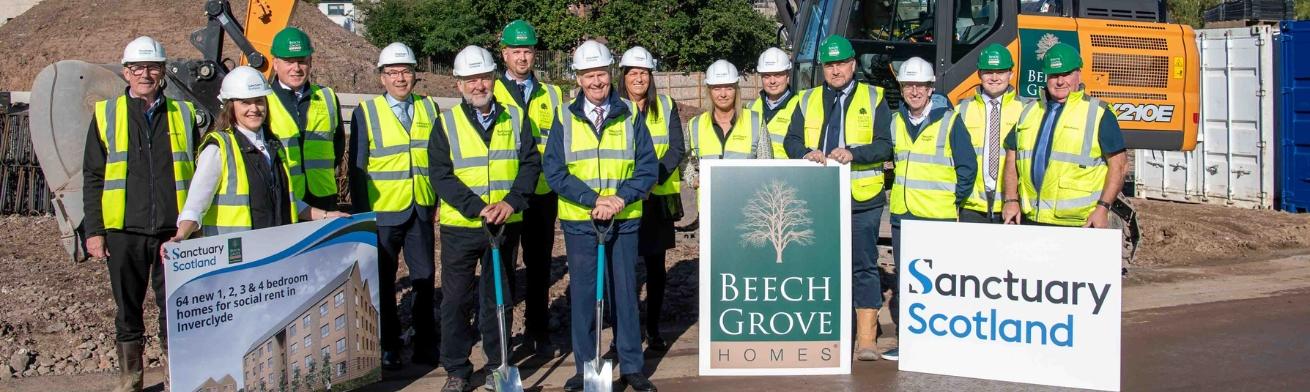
column 484, row 164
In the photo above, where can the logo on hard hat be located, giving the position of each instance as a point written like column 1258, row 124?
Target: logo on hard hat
column 145, row 52
column 833, row 51
column 523, row 35
column 254, row 86
column 1056, row 62
column 294, row 46
column 475, row 64
column 994, row 60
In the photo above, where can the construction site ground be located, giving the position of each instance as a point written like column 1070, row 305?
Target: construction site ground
column 56, row 316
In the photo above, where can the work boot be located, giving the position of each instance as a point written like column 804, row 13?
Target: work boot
column 866, row 345
column 129, row 366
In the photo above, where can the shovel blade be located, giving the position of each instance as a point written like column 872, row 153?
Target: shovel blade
column 507, row 379
column 599, row 377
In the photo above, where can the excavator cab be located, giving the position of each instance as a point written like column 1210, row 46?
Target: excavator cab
column 1147, row 70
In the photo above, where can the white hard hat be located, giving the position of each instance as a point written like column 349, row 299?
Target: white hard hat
column 721, row 72
column 143, row 49
column 473, row 60
column 591, row 54
column 915, row 70
column 773, row 60
column 396, row 53
column 244, row 83
column 638, row 57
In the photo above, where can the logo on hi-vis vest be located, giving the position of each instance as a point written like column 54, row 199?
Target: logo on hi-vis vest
column 1144, row 112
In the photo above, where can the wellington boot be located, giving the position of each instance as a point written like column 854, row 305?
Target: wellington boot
column 129, row 366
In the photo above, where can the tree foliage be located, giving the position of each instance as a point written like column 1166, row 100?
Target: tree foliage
column 685, row 35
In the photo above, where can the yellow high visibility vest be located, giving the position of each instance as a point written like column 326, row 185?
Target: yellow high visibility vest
column 925, row 169
column 659, row 134
column 542, row 106
column 111, row 120
column 974, row 112
column 779, row 124
column 740, row 144
column 230, row 210
column 602, row 163
column 487, row 170
column 866, row 179
column 1076, row 170
column 398, row 158
column 311, row 165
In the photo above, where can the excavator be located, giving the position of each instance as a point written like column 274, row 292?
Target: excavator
column 65, row 92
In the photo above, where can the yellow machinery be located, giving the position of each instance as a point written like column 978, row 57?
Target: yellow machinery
column 64, row 93
column 1146, row 69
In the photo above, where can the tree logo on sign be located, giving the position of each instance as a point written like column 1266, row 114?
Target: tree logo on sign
column 775, row 216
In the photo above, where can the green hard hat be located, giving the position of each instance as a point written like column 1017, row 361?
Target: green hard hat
column 835, row 48
column 995, row 57
column 1061, row 58
column 291, row 42
column 518, row 33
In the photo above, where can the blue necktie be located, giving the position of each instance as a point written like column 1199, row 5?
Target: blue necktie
column 402, row 114
column 1042, row 152
column 832, row 133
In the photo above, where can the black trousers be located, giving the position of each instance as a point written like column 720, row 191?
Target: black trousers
column 133, row 264
column 416, row 238
column 462, row 251
column 971, row 216
column 656, row 275
column 538, row 243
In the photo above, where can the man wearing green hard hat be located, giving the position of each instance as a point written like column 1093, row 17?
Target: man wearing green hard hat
column 848, row 122
column 307, row 120
column 990, row 115
column 1065, row 161
column 520, row 88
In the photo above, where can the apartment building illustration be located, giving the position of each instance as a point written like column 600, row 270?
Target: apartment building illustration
column 337, row 328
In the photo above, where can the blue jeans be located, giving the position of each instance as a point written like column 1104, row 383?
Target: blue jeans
column 866, row 286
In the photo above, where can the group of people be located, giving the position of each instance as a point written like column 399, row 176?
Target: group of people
column 516, row 155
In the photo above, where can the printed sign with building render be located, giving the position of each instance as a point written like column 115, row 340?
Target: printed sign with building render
column 291, row 308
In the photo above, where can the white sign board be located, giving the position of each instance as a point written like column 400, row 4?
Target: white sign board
column 284, row 308
column 1025, row 304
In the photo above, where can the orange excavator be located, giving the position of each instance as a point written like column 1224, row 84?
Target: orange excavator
column 65, row 92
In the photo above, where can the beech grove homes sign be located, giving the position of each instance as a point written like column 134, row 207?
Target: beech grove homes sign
column 774, row 268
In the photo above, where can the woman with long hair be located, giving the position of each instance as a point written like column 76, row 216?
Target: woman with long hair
column 242, row 179
column 663, row 205
column 726, row 131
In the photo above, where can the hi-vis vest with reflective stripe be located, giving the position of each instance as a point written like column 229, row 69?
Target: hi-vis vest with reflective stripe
column 542, row 106
column 1075, row 171
column 311, row 163
column 487, row 170
column 111, row 119
column 866, row 179
column 659, row 135
column 974, row 111
column 398, row 159
column 230, row 210
column 780, row 123
column 925, row 169
column 740, row 143
column 602, row 163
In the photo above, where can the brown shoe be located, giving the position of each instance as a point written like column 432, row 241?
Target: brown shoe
column 129, row 366
column 866, row 347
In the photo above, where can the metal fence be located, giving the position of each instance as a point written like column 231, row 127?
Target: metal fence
column 22, row 185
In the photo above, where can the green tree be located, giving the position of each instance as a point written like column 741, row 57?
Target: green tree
column 1190, row 12
column 687, row 35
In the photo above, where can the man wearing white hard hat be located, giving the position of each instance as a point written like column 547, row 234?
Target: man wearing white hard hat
column 484, row 164
column 389, row 175
column 726, row 131
column 602, row 163
column 935, row 162
column 777, row 102
column 519, row 87
column 243, row 149
column 846, row 121
column 139, row 144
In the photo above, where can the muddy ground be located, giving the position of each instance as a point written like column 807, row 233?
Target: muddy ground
column 56, row 316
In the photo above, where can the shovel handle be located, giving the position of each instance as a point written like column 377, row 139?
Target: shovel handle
column 494, row 237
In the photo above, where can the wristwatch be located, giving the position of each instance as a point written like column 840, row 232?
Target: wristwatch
column 1102, row 203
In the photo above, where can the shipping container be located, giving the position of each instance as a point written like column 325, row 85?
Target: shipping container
column 1292, row 175
column 1233, row 161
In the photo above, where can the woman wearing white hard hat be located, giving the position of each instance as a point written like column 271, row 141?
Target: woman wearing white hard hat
column 663, row 207
column 602, row 164
column 727, row 131
column 241, row 180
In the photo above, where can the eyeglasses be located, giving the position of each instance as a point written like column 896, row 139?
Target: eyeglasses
column 916, row 87
column 138, row 69
column 398, row 74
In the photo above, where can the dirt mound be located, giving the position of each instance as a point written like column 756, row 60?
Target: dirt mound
column 96, row 30
column 1185, row 234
